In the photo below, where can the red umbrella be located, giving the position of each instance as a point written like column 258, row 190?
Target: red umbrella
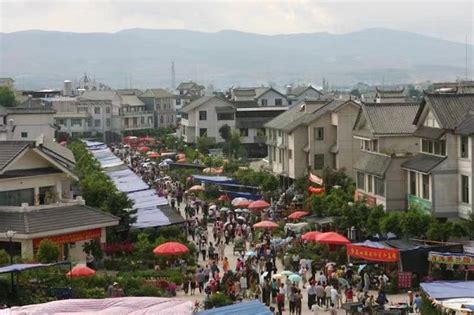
column 265, row 225
column 224, row 198
column 310, row 236
column 81, row 271
column 170, row 249
column 298, row 215
column 143, row 149
column 153, row 155
column 332, row 238
column 258, row 205
column 242, row 204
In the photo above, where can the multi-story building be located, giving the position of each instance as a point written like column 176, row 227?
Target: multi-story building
column 296, row 94
column 385, row 135
column 439, row 178
column 312, row 135
column 389, row 96
column 8, row 82
column 163, row 104
column 36, row 201
column 262, row 96
column 187, row 92
column 25, row 123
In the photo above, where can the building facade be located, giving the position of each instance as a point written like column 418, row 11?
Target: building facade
column 24, row 123
column 163, row 104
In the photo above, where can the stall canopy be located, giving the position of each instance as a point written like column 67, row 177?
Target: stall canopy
column 23, row 267
column 441, row 290
column 217, row 180
column 252, row 307
column 451, row 258
column 127, row 181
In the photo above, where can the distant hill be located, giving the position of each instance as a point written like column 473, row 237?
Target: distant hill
column 44, row 58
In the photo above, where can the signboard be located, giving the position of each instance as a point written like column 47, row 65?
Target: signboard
column 415, row 202
column 70, row 238
column 404, row 280
column 370, row 201
column 373, row 254
column 451, row 258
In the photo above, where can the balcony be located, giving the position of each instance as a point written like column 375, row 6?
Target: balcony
column 260, row 139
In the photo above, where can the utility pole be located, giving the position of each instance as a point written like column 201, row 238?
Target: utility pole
column 173, row 77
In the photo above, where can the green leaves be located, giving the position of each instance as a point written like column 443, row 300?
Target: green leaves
column 7, row 97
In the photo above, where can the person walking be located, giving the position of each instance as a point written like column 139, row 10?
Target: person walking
column 298, row 302
column 311, row 295
column 320, row 294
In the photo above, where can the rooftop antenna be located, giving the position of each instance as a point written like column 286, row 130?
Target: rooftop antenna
column 466, row 71
column 173, row 76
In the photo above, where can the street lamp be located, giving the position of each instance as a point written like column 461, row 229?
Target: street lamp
column 9, row 234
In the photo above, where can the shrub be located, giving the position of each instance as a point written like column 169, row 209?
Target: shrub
column 145, row 290
column 4, row 257
column 48, row 252
column 217, row 300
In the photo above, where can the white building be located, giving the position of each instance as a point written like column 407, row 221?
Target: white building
column 24, row 123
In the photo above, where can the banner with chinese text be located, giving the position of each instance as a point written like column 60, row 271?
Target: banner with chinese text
column 373, row 254
column 451, row 258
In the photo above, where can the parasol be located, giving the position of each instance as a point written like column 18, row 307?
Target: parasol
column 224, row 198
column 310, row 236
column 298, row 215
column 81, row 271
column 332, row 238
column 235, row 201
column 143, row 149
column 265, row 225
column 258, row 205
column 196, row 188
column 294, row 278
column 171, row 249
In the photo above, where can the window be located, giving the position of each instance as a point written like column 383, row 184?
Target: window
column 280, row 156
column 319, row 133
column 184, row 115
column 61, row 122
column 264, row 102
column 370, row 183
column 464, row 189
column 76, row 122
column 202, row 115
column 203, row 132
column 437, row 147
column 107, row 110
column 425, row 187
column 244, row 132
column 360, row 181
column 142, row 120
column 88, row 122
column 24, row 134
column 413, row 183
column 278, row 102
column 96, row 110
column 162, row 121
column 15, row 198
column 318, row 161
column 379, row 185
column 370, row 145
column 178, row 101
column 97, row 122
column 464, row 147
column 126, row 122
column 107, row 122
column 290, row 154
column 225, row 116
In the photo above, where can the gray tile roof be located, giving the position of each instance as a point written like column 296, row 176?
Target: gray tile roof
column 449, row 109
column 245, row 104
column 429, row 133
column 9, row 150
column 466, row 127
column 51, row 219
column 298, row 90
column 30, row 172
column 157, row 93
column 252, row 122
column 280, row 121
column 99, row 95
column 202, row 100
column 391, row 118
column 189, row 85
column 131, row 100
column 372, row 163
column 423, row 163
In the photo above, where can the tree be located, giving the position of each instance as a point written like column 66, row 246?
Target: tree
column 438, row 231
column 48, row 252
column 356, row 93
column 204, row 144
column 414, row 223
column 226, row 133
column 392, row 223
column 7, row 97
column 4, row 257
column 234, row 144
column 469, row 225
column 373, row 221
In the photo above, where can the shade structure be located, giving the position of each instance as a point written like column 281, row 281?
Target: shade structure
column 143, row 149
column 153, row 155
column 224, row 198
column 196, row 188
column 258, row 205
column 294, row 278
column 298, row 215
column 332, row 238
column 171, row 249
column 242, row 204
column 310, row 236
column 81, row 271
column 265, row 225
column 235, row 201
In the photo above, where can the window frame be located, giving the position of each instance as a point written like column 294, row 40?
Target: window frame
column 464, row 191
column 464, row 147
column 201, row 133
column 360, row 181
column 319, row 165
column 318, row 133
column 379, row 186
column 202, row 115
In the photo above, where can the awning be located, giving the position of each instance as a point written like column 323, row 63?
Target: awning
column 441, row 290
column 451, row 258
column 423, row 163
column 127, row 181
column 372, row 163
column 429, row 133
column 253, row 307
column 214, row 179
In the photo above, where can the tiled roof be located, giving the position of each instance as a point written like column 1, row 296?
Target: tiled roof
column 202, row 100
column 189, row 85
column 449, row 109
column 280, row 121
column 372, row 163
column 131, row 100
column 9, row 150
column 423, row 163
column 429, row 133
column 466, row 127
column 98, row 95
column 391, row 118
column 298, row 90
column 157, row 93
column 244, row 91
column 55, row 218
column 245, row 104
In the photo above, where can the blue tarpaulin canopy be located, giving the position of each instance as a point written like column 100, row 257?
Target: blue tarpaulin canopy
column 23, row 267
column 252, row 307
column 214, row 179
column 441, row 290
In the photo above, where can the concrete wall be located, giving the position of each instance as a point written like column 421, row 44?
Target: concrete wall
column 396, row 185
column 33, row 124
column 348, row 147
column 398, row 144
column 271, row 96
column 322, row 146
column 298, row 164
column 444, row 192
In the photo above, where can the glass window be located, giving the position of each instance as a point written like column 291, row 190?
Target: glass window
column 107, row 110
column 24, row 134
column 360, row 181
column 202, row 115
column 225, row 116
column 278, row 102
column 142, row 120
column 280, row 155
column 97, row 122
column 14, row 198
column 413, row 183
column 244, row 132
column 290, row 154
column 319, row 133
column 96, row 110
column 318, row 161
column 464, row 147
column 379, row 185
column 184, row 115
column 76, row 122
column 433, row 146
column 107, row 122
column 464, row 189
column 203, row 132
column 264, row 102
column 425, row 187
column 370, row 183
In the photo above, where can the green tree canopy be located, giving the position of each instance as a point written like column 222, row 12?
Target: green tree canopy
column 48, row 252
column 7, row 97
column 392, row 223
column 204, row 144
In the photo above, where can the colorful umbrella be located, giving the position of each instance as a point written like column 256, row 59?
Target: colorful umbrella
column 242, row 204
column 153, row 155
column 224, row 198
column 298, row 215
column 332, row 238
column 143, row 149
column 258, row 205
column 196, row 188
column 294, row 278
column 277, row 276
column 235, row 201
column 250, row 253
column 265, row 225
column 81, row 271
column 310, row 236
column 170, row 249
column 287, row 273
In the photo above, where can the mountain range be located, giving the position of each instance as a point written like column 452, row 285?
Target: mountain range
column 141, row 58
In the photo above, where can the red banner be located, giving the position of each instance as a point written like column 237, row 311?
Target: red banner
column 370, row 201
column 70, row 238
column 373, row 254
column 317, row 191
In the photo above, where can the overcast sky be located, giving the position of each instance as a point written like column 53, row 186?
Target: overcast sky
column 449, row 19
